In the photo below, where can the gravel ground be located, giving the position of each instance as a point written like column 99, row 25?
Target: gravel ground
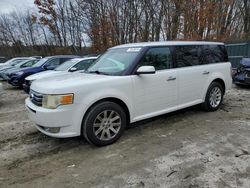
column 188, row 148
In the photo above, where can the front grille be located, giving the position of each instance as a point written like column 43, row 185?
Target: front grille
column 36, row 98
column 248, row 74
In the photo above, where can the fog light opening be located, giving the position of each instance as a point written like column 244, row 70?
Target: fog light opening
column 52, row 129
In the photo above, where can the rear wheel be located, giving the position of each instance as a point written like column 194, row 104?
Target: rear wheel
column 214, row 97
column 104, row 123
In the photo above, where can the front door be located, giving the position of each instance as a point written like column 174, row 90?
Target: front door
column 155, row 94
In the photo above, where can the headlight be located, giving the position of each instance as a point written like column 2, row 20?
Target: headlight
column 53, row 101
column 19, row 73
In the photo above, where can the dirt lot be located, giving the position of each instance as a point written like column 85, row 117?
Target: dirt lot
column 188, row 148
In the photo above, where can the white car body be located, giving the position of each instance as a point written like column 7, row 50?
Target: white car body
column 1, row 88
column 9, row 62
column 52, row 73
column 145, row 95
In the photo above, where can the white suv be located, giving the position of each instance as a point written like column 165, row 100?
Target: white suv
column 129, row 83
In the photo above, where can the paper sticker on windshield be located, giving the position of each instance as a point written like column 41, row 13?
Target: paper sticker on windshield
column 133, row 49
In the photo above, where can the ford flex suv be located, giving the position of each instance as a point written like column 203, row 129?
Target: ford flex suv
column 129, row 83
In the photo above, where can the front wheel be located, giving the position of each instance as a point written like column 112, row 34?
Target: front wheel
column 214, row 97
column 104, row 123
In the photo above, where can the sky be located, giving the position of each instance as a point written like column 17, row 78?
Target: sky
column 8, row 6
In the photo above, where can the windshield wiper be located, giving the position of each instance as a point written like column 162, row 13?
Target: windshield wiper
column 98, row 72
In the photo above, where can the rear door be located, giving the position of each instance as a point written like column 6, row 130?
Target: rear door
column 196, row 65
column 157, row 93
column 192, row 74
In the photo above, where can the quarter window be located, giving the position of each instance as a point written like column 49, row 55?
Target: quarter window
column 159, row 57
column 214, row 54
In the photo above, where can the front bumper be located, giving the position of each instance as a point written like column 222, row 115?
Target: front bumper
column 242, row 78
column 62, row 117
column 26, row 88
column 14, row 80
column 3, row 76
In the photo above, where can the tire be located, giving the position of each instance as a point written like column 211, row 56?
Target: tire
column 214, row 97
column 104, row 123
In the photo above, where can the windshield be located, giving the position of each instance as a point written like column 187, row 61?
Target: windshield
column 28, row 63
column 17, row 61
column 41, row 62
column 66, row 65
column 114, row 61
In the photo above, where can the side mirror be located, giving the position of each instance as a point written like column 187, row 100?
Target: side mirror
column 47, row 67
column 73, row 69
column 145, row 70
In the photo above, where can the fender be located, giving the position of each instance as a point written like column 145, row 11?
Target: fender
column 93, row 97
column 214, row 76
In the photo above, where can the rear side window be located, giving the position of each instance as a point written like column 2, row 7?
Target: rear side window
column 199, row 55
column 159, row 57
column 187, row 55
column 62, row 60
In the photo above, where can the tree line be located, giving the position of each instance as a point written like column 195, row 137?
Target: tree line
column 84, row 26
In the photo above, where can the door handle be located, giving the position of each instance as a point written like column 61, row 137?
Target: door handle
column 206, row 72
column 171, row 78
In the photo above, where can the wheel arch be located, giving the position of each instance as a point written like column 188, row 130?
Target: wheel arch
column 110, row 99
column 221, row 82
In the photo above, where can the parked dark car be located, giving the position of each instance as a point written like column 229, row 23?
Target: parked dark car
column 4, row 74
column 47, row 63
column 242, row 75
column 11, row 65
column 72, row 65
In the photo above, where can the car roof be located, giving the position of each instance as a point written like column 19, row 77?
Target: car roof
column 83, row 58
column 167, row 43
column 58, row 56
column 21, row 58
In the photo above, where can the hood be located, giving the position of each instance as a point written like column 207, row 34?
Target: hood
column 11, row 70
column 32, row 69
column 245, row 62
column 45, row 74
column 3, row 64
column 67, row 82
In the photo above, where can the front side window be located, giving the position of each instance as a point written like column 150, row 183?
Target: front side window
column 54, row 62
column 159, row 57
column 115, row 61
column 84, row 65
column 41, row 62
column 66, row 65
